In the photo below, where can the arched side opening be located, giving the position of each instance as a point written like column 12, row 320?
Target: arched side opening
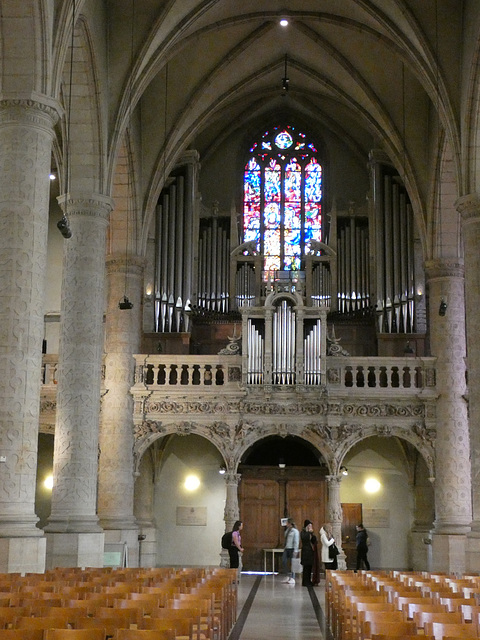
column 388, row 488
column 182, row 520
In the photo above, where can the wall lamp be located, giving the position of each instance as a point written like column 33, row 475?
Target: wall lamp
column 222, row 470
column 64, row 227
column 125, row 304
column 344, row 471
column 442, row 310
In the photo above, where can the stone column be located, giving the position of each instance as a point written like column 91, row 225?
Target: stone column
column 74, row 536
column 231, row 509
column 452, row 449
column 335, row 515
column 469, row 208
column 26, row 134
column 143, row 509
column 116, row 479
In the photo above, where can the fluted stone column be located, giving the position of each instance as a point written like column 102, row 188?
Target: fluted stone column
column 231, row 509
column 74, row 536
column 469, row 208
column 335, row 515
column 26, row 134
column 452, row 449
column 116, row 477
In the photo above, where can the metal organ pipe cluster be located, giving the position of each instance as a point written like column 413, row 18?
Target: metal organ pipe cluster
column 174, row 255
column 213, row 265
column 283, row 348
column 395, row 260
column 353, row 266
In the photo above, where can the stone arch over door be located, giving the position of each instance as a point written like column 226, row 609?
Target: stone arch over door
column 280, row 477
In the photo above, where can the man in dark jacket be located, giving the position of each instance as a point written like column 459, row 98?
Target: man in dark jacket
column 362, row 547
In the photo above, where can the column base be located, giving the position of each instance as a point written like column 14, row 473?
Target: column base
column 449, row 552
column 22, row 555
column 75, row 550
column 473, row 552
column 224, row 559
column 420, row 550
column 148, row 547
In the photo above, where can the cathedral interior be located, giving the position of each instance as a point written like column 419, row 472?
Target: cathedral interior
column 240, row 254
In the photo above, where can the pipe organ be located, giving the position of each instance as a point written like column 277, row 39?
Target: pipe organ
column 213, row 264
column 395, row 261
column 284, row 342
column 174, row 255
column 353, row 286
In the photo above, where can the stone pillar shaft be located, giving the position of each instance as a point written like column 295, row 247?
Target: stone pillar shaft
column 469, row 208
column 335, row 515
column 74, row 493
column 452, row 484
column 231, row 510
column 116, row 479
column 26, row 133
column 452, row 477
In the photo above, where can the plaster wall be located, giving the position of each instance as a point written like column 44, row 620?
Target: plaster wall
column 180, row 544
column 389, row 544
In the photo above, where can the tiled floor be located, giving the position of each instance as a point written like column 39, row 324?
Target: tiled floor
column 268, row 608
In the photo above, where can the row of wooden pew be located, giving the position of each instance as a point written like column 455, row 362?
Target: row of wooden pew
column 125, row 604
column 376, row 605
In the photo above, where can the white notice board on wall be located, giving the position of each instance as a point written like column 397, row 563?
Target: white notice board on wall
column 115, row 554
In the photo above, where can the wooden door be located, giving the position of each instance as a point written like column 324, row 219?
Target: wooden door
column 306, row 499
column 260, row 512
column 352, row 515
column 264, row 501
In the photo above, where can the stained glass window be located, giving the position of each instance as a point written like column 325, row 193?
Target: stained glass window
column 282, row 202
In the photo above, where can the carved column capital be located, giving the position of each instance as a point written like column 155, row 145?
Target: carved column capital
column 444, row 268
column 468, row 207
column 41, row 112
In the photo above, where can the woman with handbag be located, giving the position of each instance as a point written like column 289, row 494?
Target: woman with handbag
column 329, row 548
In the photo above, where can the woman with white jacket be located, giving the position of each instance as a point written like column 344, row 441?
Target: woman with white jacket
column 327, row 539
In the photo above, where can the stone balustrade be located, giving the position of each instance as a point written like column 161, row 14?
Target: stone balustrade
column 364, row 375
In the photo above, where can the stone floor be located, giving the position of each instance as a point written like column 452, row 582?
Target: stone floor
column 268, row 608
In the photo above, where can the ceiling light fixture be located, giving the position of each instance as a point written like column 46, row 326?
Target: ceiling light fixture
column 285, row 79
column 284, row 22
column 125, row 304
column 344, row 471
column 63, row 224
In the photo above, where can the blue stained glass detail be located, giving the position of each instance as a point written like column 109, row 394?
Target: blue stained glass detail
column 283, row 140
column 266, row 145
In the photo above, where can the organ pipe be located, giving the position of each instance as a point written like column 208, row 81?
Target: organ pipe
column 174, row 252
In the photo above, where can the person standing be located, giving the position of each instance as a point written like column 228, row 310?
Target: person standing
column 292, row 543
column 236, row 548
column 327, row 540
column 308, row 539
column 362, row 547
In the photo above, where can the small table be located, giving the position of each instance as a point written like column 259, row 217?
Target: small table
column 273, row 552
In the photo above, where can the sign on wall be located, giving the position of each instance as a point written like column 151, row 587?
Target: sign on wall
column 376, row 518
column 192, row 516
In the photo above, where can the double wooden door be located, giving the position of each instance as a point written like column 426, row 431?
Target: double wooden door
column 268, row 495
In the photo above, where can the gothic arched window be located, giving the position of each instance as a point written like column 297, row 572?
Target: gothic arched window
column 282, row 196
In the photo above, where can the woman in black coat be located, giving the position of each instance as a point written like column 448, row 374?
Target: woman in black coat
column 307, row 539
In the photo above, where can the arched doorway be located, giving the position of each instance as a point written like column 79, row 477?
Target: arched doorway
column 280, row 477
